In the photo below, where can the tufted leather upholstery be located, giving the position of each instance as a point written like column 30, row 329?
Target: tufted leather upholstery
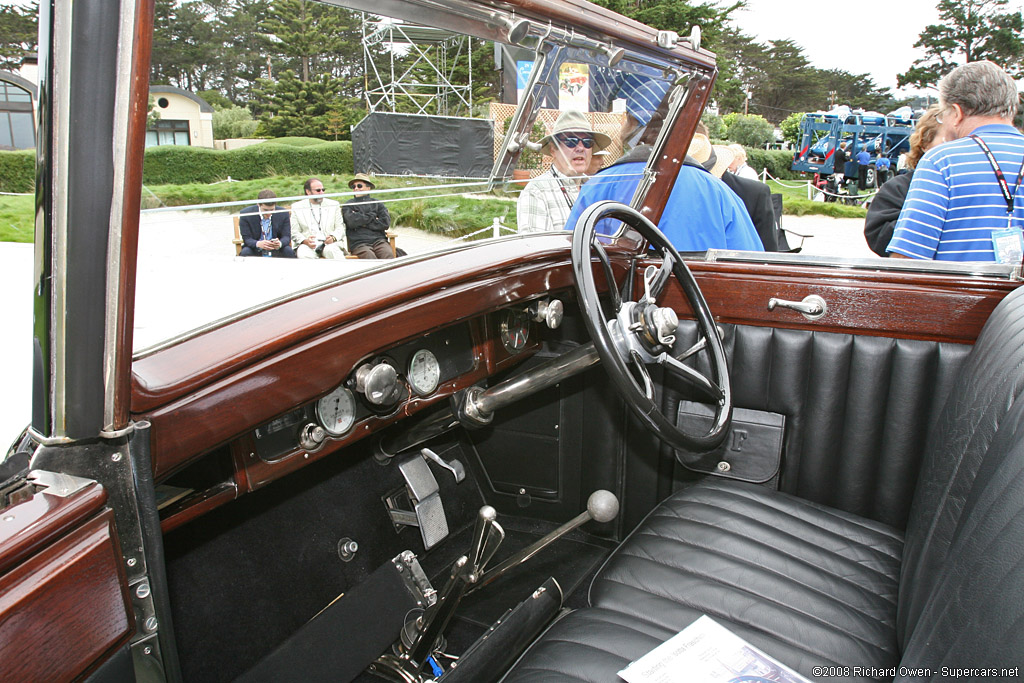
column 858, row 409
column 813, row 586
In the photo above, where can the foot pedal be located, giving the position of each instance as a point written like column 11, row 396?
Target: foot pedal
column 426, row 499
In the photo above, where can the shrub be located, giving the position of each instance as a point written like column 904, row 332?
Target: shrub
column 18, row 171
column 777, row 161
column 233, row 122
column 715, row 125
column 750, row 131
column 174, row 165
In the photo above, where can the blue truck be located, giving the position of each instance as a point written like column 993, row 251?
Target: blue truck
column 880, row 134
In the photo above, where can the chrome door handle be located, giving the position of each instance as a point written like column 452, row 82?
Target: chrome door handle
column 812, row 307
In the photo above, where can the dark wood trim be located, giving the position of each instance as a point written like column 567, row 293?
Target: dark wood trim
column 30, row 526
column 876, row 303
column 500, row 272
column 666, row 167
column 196, row 505
column 131, row 201
column 66, row 608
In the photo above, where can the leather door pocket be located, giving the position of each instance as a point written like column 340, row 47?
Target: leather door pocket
column 751, row 451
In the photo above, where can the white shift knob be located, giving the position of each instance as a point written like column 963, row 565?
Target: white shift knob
column 603, row 506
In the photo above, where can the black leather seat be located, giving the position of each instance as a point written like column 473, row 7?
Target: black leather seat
column 813, row 586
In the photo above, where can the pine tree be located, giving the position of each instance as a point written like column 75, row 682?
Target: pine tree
column 968, row 31
column 18, row 34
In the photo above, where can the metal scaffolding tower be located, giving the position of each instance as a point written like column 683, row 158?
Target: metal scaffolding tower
column 415, row 65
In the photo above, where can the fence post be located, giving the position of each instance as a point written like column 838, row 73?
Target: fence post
column 809, row 190
column 496, row 226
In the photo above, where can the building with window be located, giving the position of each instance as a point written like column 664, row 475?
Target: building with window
column 17, row 112
column 185, row 118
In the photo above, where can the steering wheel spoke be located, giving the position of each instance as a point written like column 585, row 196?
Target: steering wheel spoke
column 641, row 368
column 606, row 264
column 688, row 374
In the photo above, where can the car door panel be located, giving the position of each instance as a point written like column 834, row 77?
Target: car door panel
column 62, row 582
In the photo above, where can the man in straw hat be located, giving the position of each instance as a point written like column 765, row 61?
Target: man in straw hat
column 545, row 202
column 701, row 213
column 366, row 221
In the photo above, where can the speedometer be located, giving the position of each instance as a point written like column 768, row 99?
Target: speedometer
column 337, row 411
column 424, row 372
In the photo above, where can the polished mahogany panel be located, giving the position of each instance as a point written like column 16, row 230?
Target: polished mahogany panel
column 413, row 301
column 28, row 527
column 66, row 608
column 877, row 303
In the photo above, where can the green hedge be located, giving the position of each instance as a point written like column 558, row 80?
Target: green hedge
column 18, row 171
column 180, row 165
column 174, row 165
column 777, row 161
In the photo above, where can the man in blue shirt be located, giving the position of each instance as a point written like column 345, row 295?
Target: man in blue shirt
column 701, row 213
column 881, row 170
column 863, row 159
column 963, row 199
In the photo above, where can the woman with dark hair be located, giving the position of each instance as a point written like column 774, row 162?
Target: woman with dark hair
column 886, row 206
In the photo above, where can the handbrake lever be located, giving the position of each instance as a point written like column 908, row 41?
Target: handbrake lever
column 467, row 570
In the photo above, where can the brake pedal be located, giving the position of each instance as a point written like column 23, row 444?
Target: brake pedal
column 425, row 495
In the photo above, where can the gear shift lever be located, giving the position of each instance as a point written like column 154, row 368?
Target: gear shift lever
column 602, row 506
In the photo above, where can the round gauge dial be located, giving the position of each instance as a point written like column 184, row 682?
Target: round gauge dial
column 515, row 330
column 424, row 372
column 337, row 411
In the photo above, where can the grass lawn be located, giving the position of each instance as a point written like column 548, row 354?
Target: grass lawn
column 16, row 218
column 452, row 216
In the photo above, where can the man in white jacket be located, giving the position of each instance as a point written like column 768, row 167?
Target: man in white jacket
column 317, row 226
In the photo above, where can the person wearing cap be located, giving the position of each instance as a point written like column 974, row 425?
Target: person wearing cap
column 265, row 231
column 366, row 221
column 317, row 228
column 701, row 213
column 546, row 201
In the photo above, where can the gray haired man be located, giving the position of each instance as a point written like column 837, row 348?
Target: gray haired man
column 963, row 202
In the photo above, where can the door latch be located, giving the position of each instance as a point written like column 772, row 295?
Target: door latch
column 812, row 307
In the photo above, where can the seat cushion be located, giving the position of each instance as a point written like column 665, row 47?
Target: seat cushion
column 809, row 585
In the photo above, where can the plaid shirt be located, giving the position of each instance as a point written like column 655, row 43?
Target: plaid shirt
column 545, row 202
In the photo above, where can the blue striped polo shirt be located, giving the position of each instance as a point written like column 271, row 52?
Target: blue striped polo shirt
column 954, row 202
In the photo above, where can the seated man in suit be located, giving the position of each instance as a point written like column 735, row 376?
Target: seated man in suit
column 317, row 227
column 265, row 231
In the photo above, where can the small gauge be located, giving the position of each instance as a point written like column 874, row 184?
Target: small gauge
column 424, row 372
column 337, row 411
column 515, row 330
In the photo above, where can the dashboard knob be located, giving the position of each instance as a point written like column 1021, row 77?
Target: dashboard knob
column 379, row 383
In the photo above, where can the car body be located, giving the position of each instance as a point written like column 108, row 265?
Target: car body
column 183, row 509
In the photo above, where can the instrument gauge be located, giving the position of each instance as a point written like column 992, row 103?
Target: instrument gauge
column 424, row 372
column 515, row 330
column 337, row 411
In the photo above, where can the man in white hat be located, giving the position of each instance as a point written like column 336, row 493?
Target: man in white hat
column 546, row 201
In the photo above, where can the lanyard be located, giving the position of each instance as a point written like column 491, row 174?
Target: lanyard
column 1003, row 185
column 561, row 186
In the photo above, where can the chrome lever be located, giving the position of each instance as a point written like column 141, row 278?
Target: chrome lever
column 812, row 307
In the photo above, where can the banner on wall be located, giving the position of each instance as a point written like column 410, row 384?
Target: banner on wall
column 574, row 87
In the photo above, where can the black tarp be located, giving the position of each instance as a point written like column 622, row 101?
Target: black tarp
column 414, row 144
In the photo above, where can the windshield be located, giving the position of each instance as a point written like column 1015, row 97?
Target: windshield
column 426, row 139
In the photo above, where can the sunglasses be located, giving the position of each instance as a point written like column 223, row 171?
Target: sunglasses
column 571, row 141
column 358, row 186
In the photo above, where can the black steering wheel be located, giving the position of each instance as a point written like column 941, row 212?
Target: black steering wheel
column 641, row 333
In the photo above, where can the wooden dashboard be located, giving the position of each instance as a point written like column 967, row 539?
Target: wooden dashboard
column 211, row 392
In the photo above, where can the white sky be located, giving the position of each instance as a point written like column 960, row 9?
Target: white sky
column 874, row 37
